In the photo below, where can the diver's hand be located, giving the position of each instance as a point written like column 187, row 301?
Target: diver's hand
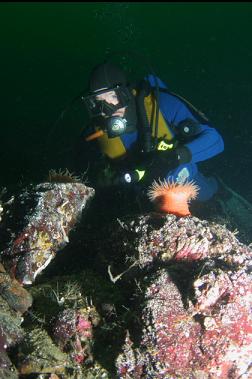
column 157, row 166
column 165, row 161
column 112, row 178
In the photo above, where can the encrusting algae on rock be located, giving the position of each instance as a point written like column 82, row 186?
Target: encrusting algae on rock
column 195, row 302
column 56, row 209
column 181, row 309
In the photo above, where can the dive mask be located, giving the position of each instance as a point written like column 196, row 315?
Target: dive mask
column 113, row 125
column 98, row 107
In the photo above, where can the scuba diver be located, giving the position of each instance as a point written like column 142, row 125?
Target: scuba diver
column 146, row 134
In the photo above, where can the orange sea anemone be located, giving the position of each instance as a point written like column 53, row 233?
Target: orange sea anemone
column 172, row 197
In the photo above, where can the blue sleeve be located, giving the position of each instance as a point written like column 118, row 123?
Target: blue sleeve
column 207, row 143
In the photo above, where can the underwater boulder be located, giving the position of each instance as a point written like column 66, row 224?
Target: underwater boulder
column 11, row 333
column 195, row 290
column 14, row 301
column 46, row 214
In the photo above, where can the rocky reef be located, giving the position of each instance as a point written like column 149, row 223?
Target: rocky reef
column 38, row 221
column 48, row 212
column 146, row 296
column 196, row 299
column 14, row 301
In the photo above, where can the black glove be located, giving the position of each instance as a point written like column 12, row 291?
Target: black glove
column 155, row 165
column 165, row 160
column 112, row 178
column 184, row 155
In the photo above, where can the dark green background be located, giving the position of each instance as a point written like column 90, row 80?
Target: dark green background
column 202, row 50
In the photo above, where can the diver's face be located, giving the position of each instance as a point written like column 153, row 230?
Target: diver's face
column 111, row 98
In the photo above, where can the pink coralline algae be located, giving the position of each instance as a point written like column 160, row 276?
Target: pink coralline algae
column 170, row 345
column 225, row 302
column 196, row 319
column 58, row 207
column 84, row 327
column 73, row 333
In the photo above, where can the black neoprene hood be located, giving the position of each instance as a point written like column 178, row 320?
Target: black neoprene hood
column 106, row 75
